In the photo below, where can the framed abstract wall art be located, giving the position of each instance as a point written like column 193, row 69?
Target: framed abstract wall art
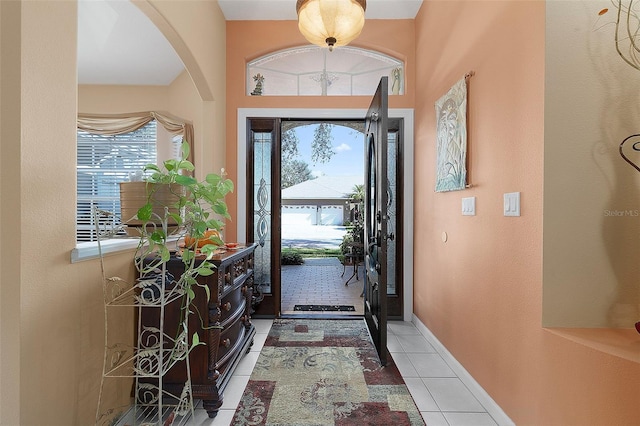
column 451, row 138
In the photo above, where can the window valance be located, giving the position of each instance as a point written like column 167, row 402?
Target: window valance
column 117, row 124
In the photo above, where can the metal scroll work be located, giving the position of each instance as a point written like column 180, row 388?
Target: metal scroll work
column 263, row 213
column 631, row 145
column 155, row 351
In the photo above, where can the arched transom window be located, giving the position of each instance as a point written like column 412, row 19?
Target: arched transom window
column 314, row 71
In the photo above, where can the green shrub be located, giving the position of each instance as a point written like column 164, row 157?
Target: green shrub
column 291, row 258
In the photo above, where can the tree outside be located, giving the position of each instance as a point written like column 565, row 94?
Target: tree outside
column 294, row 169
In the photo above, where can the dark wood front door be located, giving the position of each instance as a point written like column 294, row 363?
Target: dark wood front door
column 376, row 219
column 263, row 195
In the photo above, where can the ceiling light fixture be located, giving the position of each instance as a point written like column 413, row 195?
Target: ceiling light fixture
column 330, row 22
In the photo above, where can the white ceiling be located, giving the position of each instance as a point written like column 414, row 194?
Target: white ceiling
column 118, row 44
column 279, row 10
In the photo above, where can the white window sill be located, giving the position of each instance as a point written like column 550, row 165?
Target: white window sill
column 89, row 251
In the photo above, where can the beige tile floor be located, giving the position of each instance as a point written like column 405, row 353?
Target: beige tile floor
column 442, row 398
column 440, row 395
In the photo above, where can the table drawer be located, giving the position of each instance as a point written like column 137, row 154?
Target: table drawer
column 233, row 302
column 229, row 338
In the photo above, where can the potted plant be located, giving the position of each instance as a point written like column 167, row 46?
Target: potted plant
column 197, row 210
column 355, row 229
column 138, row 193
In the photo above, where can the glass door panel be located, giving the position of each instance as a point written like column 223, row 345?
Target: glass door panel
column 262, row 209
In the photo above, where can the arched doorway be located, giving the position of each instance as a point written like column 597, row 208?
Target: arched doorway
column 251, row 225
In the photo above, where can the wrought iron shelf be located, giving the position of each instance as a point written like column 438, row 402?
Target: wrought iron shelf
column 155, row 351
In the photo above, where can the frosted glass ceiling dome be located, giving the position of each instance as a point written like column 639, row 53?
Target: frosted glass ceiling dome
column 330, row 22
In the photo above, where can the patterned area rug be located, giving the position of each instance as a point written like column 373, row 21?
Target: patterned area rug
column 324, row 372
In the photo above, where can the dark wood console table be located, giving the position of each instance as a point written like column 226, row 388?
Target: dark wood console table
column 223, row 323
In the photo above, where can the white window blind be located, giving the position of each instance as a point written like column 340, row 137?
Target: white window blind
column 102, row 163
column 176, row 146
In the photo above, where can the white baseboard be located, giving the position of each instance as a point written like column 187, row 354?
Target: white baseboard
column 481, row 395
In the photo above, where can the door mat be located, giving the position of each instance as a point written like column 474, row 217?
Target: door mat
column 325, row 308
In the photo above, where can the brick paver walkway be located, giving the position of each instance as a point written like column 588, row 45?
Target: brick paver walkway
column 319, row 282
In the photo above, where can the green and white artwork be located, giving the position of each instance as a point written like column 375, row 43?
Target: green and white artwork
column 451, row 128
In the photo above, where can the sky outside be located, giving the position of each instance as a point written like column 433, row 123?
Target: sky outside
column 348, row 146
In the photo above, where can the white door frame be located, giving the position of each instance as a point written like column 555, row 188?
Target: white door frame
column 405, row 113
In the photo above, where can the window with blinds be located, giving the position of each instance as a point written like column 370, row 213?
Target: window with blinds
column 102, row 163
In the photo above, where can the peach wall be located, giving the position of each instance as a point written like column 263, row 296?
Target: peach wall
column 44, row 290
column 196, row 95
column 197, row 31
column 180, row 99
column 488, row 313
column 50, row 288
column 480, row 292
column 247, row 40
column 113, row 99
column 52, row 314
column 109, row 100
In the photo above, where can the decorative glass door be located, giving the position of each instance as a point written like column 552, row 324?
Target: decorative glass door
column 264, row 217
column 263, row 200
column 377, row 199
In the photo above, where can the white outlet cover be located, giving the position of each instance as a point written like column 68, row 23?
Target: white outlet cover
column 469, row 206
column 512, row 204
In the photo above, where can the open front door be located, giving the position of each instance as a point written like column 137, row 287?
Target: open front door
column 376, row 219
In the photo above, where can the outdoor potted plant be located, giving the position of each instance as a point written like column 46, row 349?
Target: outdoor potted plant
column 355, row 230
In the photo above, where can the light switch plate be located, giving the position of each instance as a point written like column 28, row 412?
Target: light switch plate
column 512, row 204
column 469, row 206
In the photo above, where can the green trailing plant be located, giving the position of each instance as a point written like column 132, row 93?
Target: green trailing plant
column 198, row 207
column 201, row 207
